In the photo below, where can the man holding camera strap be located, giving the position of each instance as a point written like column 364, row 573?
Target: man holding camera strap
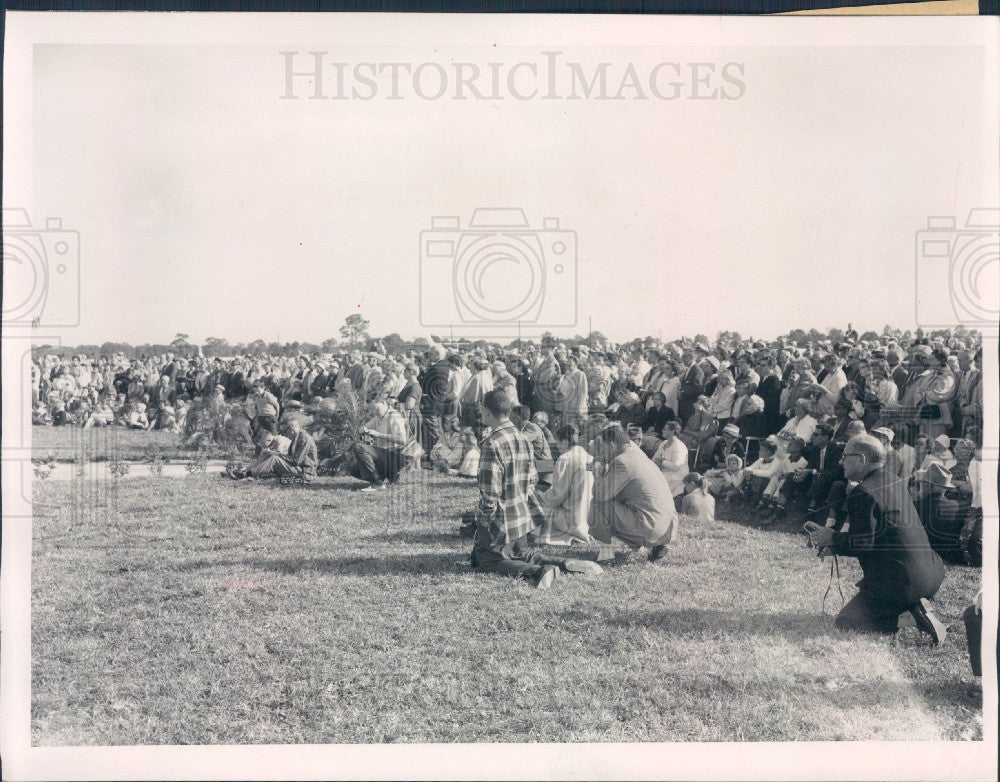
column 901, row 570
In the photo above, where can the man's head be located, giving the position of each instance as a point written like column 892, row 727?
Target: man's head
column 520, row 414
column 541, row 418
column 885, row 436
column 496, row 407
column 863, row 454
column 855, row 428
column 612, row 441
column 730, row 433
column 821, row 436
column 568, row 436
column 965, row 360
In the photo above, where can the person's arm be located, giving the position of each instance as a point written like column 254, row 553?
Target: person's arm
column 560, row 486
column 863, row 531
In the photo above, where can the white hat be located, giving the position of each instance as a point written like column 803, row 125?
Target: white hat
column 885, row 432
column 943, row 440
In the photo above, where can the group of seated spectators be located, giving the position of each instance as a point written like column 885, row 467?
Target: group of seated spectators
column 756, row 423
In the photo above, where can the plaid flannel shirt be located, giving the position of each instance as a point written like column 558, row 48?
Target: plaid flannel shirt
column 507, row 509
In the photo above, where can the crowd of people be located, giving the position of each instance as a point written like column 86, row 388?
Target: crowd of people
column 750, row 423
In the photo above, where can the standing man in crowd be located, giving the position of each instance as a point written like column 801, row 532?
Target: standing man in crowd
column 692, row 386
column 262, row 407
column 901, row 570
column 573, row 397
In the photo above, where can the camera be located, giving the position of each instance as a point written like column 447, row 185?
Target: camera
column 41, row 272
column 497, row 271
column 958, row 270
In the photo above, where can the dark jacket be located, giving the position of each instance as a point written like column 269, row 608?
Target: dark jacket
column 943, row 521
column 832, row 468
column 890, row 543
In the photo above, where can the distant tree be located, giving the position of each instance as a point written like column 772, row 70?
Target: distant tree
column 548, row 339
column 355, row 329
column 257, row 347
column 700, row 338
column 836, row 335
column 394, row 343
column 110, row 348
column 329, row 345
column 797, row 335
column 422, row 343
column 869, row 336
column 308, row 348
column 180, row 341
column 214, row 346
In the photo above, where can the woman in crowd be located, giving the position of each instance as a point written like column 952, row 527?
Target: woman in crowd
column 938, row 396
column 657, row 414
column 697, row 502
column 672, row 458
column 700, row 426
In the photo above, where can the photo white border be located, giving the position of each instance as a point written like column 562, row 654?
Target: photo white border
column 764, row 761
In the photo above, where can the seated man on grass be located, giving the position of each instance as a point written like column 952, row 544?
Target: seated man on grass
column 378, row 457
column 283, row 457
column 507, row 509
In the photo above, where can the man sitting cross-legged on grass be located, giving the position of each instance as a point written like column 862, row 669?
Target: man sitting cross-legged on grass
column 507, row 509
column 282, row 457
column 378, row 457
column 632, row 499
column 901, row 570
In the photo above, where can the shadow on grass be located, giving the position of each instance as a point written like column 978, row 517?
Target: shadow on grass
column 420, row 538
column 416, row 564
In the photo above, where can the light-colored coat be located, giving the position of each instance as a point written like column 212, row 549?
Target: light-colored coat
column 567, row 502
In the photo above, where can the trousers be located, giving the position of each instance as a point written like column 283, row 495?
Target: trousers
column 515, row 560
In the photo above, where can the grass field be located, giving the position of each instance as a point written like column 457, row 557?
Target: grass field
column 195, row 610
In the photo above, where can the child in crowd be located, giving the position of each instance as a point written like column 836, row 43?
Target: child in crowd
column 759, row 474
column 697, row 501
column 470, row 454
column 783, row 483
column 725, row 482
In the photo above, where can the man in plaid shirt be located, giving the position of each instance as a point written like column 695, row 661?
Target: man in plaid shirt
column 507, row 509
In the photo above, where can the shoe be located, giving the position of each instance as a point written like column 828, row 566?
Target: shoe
column 928, row 622
column 546, row 577
column 657, row 553
column 583, row 567
column 606, row 553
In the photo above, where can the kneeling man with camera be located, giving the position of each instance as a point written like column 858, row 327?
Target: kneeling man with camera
column 901, row 570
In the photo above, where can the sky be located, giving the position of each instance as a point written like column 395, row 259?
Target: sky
column 207, row 204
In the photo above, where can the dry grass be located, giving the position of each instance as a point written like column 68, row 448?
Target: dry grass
column 198, row 611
